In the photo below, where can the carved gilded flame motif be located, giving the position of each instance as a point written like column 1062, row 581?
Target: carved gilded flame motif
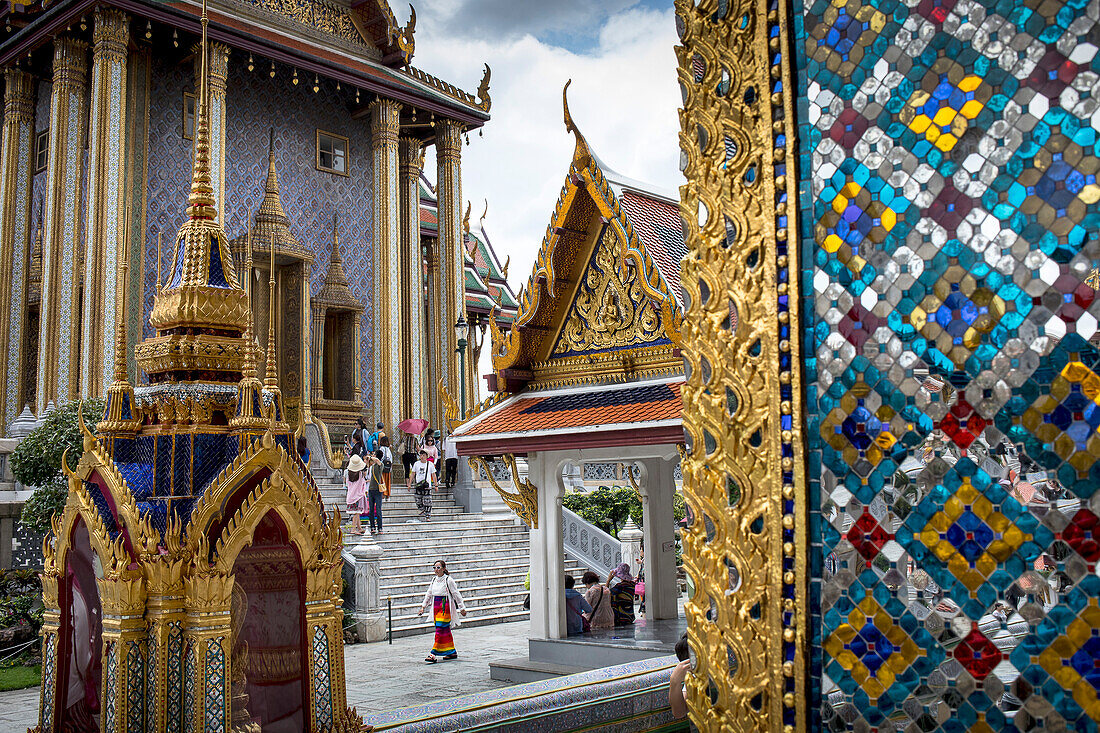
column 611, row 310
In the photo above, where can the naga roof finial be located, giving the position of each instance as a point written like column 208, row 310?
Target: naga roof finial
column 582, row 150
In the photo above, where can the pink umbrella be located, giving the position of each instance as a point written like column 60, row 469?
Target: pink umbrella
column 413, row 426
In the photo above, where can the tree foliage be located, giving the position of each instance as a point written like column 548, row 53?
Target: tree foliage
column 608, row 508
column 37, row 460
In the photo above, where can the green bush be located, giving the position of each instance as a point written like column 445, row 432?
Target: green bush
column 21, row 600
column 37, row 460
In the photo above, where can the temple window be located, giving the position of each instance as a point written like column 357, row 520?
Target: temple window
column 339, row 355
column 332, row 153
column 41, row 150
column 188, row 116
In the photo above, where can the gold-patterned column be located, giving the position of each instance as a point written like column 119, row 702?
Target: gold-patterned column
column 122, row 596
column 165, row 615
column 387, row 348
column 412, row 284
column 16, row 172
column 744, row 469
column 448, row 154
column 50, row 633
column 105, row 209
column 432, row 345
column 218, row 69
column 59, row 319
column 323, row 623
column 207, row 655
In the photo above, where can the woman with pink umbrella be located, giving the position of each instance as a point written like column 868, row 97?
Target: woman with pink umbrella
column 412, row 429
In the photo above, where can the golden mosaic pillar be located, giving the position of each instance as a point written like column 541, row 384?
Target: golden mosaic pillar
column 63, row 243
column 452, row 300
column 412, row 283
column 122, row 596
column 165, row 613
column 106, row 196
column 325, row 644
column 50, row 633
column 208, row 644
column 16, row 172
column 218, row 69
column 432, row 345
column 745, row 547
column 387, row 345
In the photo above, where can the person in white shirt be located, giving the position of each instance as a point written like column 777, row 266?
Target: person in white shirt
column 443, row 596
column 421, row 480
column 450, row 454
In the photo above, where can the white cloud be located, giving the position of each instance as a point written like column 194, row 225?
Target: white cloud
column 624, row 98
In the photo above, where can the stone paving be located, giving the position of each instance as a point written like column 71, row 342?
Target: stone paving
column 380, row 676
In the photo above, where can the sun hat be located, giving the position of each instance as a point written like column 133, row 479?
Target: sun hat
column 356, row 463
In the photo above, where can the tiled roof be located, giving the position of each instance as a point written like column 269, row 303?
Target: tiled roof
column 428, row 216
column 582, row 407
column 657, row 223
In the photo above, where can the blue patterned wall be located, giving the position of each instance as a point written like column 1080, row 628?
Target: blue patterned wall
column 254, row 103
column 950, row 213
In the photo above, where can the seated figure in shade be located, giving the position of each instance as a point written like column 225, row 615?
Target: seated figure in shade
column 575, row 605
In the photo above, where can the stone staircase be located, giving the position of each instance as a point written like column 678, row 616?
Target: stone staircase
column 487, row 554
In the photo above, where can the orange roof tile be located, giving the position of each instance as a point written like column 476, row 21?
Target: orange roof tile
column 652, row 402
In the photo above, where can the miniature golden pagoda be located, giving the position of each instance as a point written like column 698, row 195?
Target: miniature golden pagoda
column 192, row 581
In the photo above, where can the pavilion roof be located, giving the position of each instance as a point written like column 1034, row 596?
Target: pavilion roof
column 579, row 416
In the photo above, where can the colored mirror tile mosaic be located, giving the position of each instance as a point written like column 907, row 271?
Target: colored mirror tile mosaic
column 951, row 212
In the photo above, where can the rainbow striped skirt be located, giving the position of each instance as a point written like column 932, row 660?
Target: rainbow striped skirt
column 444, row 645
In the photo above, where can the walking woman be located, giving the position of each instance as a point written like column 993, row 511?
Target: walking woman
column 375, row 492
column 356, row 483
column 621, row 584
column 443, row 597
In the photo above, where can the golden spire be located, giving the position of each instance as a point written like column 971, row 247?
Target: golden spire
column 249, row 371
column 202, row 310
column 248, row 413
column 118, row 413
column 271, row 380
column 201, row 201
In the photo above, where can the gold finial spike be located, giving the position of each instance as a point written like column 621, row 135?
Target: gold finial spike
column 335, row 237
column 120, row 336
column 200, row 204
column 271, row 380
column 249, row 342
column 160, row 262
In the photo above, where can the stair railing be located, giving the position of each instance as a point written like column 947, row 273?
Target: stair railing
column 589, row 545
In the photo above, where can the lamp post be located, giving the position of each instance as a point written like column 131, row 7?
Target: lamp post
column 461, row 329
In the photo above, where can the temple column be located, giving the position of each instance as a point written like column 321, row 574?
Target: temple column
column 16, row 172
column 412, row 285
column 207, row 666
column 448, row 153
column 59, row 319
column 124, row 652
column 658, row 490
column 165, row 615
column 218, row 68
column 388, row 349
column 431, row 334
column 105, row 210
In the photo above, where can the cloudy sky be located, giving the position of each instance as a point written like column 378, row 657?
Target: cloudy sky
column 624, row 97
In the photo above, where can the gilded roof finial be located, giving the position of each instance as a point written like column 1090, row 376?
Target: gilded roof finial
column 466, row 218
column 249, row 371
column 201, row 200
column 582, row 150
column 271, row 380
column 118, row 413
column 160, row 262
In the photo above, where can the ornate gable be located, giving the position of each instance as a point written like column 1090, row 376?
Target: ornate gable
column 610, row 310
column 597, row 307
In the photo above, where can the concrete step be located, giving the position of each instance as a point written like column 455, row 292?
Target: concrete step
column 415, row 620
column 462, row 557
column 408, row 604
column 521, row 669
column 412, row 543
column 464, row 578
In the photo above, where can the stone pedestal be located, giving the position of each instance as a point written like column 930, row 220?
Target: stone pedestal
column 466, row 492
column 631, row 539
column 370, row 616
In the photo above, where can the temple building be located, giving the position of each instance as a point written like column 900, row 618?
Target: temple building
column 319, row 123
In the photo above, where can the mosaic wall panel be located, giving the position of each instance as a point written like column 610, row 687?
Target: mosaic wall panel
column 254, row 103
column 949, row 215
